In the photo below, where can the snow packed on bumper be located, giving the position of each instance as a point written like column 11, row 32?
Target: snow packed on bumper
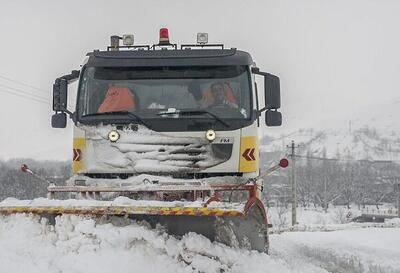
column 145, row 150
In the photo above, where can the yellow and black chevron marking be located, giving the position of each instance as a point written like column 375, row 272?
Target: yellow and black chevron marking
column 248, row 154
column 122, row 211
column 78, row 146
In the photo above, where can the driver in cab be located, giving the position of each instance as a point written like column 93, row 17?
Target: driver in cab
column 219, row 94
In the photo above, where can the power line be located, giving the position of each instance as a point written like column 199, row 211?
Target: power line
column 321, row 158
column 25, row 96
column 25, row 84
column 24, row 92
column 347, row 160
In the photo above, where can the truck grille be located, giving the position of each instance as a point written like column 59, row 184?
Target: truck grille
column 146, row 151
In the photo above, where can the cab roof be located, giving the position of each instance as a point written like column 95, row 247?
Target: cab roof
column 178, row 57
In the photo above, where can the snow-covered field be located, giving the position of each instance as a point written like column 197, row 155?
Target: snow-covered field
column 311, row 217
column 77, row 244
column 336, row 218
column 353, row 250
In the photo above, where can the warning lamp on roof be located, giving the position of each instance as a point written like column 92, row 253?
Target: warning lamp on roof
column 127, row 39
column 164, row 36
column 202, row 38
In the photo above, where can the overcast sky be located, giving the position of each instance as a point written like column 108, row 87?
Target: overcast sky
column 334, row 58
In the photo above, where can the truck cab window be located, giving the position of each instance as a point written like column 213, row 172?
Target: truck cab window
column 224, row 91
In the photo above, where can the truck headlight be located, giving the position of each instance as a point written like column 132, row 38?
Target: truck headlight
column 211, row 135
column 113, row 136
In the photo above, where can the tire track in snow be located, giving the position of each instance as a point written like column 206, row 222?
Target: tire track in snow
column 345, row 262
column 353, row 260
column 293, row 257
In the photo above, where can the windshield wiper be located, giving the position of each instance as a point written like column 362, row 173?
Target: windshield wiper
column 195, row 112
column 130, row 114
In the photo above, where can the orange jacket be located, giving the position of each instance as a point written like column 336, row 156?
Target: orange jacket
column 118, row 98
column 209, row 99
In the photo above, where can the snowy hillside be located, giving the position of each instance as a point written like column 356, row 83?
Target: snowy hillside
column 371, row 133
column 361, row 143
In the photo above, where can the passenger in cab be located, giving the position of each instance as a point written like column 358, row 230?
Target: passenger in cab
column 219, row 94
column 118, row 98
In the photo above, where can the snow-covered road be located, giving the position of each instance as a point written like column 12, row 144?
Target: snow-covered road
column 79, row 245
column 356, row 250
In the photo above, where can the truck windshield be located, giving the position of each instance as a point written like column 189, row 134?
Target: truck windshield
column 163, row 92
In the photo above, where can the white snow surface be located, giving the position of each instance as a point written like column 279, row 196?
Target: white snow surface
column 77, row 244
column 80, row 244
column 358, row 250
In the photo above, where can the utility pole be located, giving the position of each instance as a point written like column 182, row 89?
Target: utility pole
column 398, row 199
column 293, row 181
column 325, row 179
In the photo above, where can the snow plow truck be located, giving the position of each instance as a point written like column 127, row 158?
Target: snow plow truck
column 166, row 134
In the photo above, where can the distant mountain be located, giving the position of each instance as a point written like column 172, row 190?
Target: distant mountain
column 370, row 133
column 360, row 143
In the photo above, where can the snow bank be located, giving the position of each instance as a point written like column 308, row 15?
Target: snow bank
column 309, row 217
column 77, row 244
column 362, row 250
column 316, row 219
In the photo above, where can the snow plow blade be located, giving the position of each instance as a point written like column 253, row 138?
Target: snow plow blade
column 232, row 224
column 119, row 211
column 230, row 213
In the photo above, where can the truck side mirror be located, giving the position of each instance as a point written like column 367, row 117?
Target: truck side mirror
column 273, row 118
column 60, row 95
column 272, row 91
column 59, row 120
